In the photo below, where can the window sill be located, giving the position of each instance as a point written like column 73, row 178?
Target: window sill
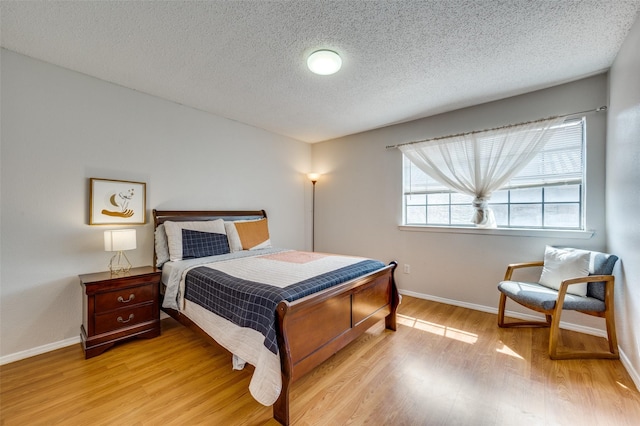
column 511, row 232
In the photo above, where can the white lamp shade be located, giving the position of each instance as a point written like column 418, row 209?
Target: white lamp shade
column 324, row 62
column 120, row 239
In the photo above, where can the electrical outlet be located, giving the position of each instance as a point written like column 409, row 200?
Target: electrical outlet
column 407, row 269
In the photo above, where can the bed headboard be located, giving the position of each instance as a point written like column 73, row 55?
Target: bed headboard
column 160, row 216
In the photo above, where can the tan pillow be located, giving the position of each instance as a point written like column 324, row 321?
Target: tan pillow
column 254, row 234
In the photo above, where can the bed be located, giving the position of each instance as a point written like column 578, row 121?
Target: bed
column 282, row 311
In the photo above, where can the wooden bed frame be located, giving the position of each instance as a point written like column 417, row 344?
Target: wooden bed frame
column 311, row 329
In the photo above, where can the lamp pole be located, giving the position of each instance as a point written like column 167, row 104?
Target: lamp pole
column 313, row 217
column 313, row 177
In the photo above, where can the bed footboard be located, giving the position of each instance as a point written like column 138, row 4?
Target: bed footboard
column 314, row 328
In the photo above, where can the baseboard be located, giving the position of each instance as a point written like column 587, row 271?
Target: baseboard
column 48, row 348
column 635, row 376
column 565, row 325
column 39, row 350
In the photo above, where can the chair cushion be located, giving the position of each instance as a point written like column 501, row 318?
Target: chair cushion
column 536, row 295
column 600, row 264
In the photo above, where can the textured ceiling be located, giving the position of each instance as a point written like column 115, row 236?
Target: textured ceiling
column 402, row 60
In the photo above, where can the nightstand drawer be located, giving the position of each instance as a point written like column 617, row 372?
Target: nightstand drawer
column 124, row 298
column 123, row 318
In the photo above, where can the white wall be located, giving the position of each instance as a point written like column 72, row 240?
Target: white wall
column 60, row 128
column 623, row 194
column 359, row 200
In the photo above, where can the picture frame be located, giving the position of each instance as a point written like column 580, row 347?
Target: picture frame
column 116, row 202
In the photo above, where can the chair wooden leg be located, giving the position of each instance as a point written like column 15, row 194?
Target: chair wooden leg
column 501, row 307
column 554, row 333
column 611, row 332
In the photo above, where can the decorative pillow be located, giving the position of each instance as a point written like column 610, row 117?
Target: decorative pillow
column 174, row 233
column 248, row 234
column 561, row 264
column 201, row 244
column 162, row 247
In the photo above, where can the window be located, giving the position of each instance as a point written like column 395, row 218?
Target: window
column 547, row 194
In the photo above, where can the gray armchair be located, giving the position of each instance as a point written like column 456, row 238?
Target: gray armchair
column 598, row 302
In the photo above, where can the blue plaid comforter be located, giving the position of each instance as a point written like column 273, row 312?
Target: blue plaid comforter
column 253, row 304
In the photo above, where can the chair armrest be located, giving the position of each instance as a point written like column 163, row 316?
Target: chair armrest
column 564, row 286
column 513, row 266
column 589, row 279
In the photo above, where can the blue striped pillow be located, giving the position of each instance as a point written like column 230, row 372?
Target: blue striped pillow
column 201, row 244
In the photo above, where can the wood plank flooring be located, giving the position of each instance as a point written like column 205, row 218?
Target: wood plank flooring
column 444, row 366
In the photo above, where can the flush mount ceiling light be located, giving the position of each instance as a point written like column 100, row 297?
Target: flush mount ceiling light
column 324, row 62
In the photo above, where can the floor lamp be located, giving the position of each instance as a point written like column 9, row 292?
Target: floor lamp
column 313, row 177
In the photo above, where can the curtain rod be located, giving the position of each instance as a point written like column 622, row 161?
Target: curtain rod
column 599, row 109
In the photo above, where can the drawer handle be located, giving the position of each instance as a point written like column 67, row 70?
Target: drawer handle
column 131, row 297
column 125, row 321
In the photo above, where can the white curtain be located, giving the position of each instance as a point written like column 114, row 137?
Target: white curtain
column 480, row 163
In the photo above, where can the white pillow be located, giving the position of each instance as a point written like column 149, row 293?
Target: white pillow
column 162, row 248
column 233, row 237
column 561, row 264
column 174, row 233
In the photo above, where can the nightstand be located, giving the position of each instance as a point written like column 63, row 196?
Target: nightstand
column 119, row 307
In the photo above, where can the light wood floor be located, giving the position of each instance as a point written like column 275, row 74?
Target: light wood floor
column 444, row 366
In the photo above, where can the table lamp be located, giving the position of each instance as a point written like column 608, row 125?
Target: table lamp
column 119, row 240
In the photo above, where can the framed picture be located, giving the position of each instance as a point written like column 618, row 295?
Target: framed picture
column 114, row 202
